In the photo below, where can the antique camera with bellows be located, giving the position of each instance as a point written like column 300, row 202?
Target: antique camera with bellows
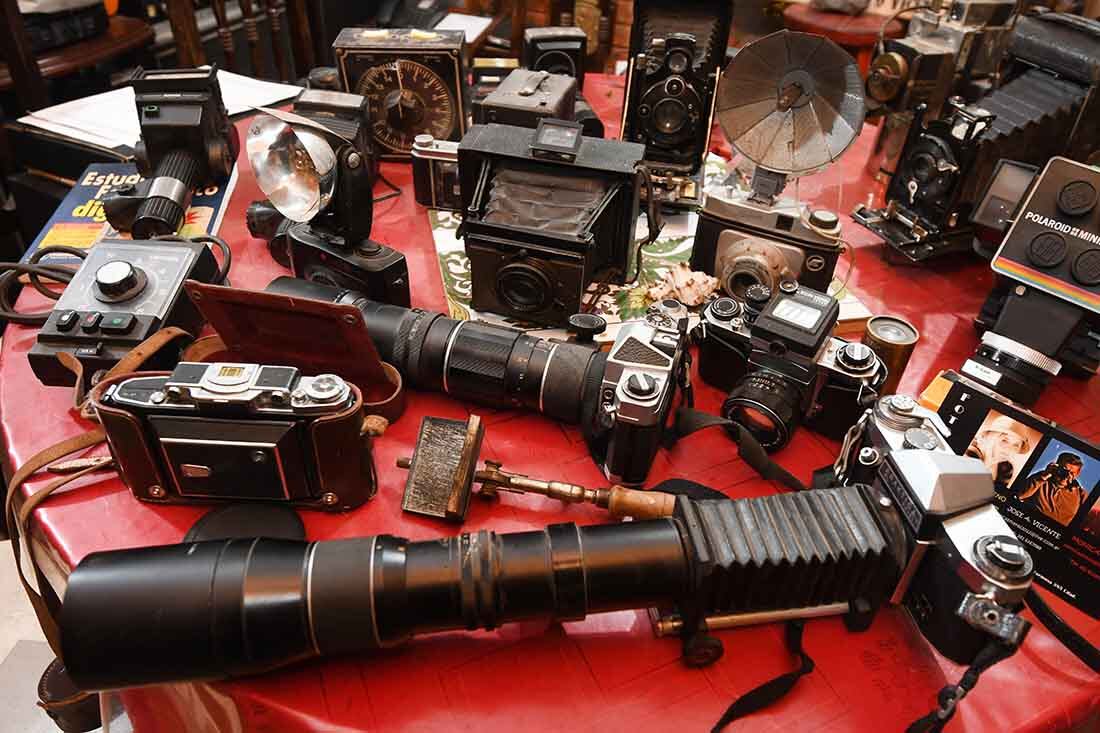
column 187, row 141
column 766, row 105
column 676, row 51
column 1043, row 316
column 563, row 50
column 1042, row 108
column 783, row 367
column 238, row 432
column 317, row 168
column 621, row 399
column 546, row 213
column 923, row 534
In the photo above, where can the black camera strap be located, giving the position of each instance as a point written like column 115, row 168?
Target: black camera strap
column 690, row 420
column 1081, row 647
column 774, row 689
column 951, row 695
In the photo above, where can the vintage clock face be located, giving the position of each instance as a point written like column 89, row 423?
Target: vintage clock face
column 407, row 99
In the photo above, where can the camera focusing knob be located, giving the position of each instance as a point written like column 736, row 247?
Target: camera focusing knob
column 641, row 386
column 119, row 280
column 586, row 326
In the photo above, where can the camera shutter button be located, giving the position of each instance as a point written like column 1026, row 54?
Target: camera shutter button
column 855, row 355
column 325, row 388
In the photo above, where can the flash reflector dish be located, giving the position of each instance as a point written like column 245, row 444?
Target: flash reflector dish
column 294, row 164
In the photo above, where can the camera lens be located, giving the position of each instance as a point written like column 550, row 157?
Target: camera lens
column 924, row 167
column 670, row 116
column 765, row 404
column 678, row 62
column 524, row 288
column 674, row 86
column 1017, row 371
column 481, row 362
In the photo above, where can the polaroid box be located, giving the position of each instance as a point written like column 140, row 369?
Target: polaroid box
column 1047, row 482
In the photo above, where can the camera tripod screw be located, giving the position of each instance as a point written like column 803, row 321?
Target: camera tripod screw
column 884, row 502
column 156, row 491
column 354, row 160
column 903, row 403
column 329, row 499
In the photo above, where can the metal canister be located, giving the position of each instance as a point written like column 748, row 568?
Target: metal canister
column 892, row 338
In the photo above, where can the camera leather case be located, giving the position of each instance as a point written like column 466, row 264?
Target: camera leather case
column 315, row 336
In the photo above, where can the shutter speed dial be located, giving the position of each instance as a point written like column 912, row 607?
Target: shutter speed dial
column 118, row 280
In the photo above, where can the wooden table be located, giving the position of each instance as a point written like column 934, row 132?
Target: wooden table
column 856, row 34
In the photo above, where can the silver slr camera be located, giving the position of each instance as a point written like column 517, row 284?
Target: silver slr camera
column 645, row 368
column 225, row 431
column 961, row 559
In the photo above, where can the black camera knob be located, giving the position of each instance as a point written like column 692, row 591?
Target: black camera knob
column 119, row 280
column 586, row 326
column 725, row 309
column 641, row 386
column 825, row 220
column 1003, row 557
column 921, row 439
column 758, row 295
column 1077, row 198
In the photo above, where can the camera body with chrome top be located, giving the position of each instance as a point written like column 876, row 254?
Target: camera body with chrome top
column 435, row 173
column 238, row 432
column 645, row 368
column 782, row 366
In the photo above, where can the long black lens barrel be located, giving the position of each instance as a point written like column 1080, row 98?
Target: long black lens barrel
column 168, row 197
column 212, row 610
column 481, row 362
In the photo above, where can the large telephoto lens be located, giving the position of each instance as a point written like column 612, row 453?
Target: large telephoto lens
column 484, row 363
column 767, row 405
column 212, row 610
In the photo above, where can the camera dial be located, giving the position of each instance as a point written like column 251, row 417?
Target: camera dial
column 725, row 309
column 119, row 280
column 855, row 356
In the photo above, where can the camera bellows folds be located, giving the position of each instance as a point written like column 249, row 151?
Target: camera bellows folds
column 787, row 550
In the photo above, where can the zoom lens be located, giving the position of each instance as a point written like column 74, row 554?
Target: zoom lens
column 767, row 405
column 211, row 610
column 523, row 288
column 481, row 362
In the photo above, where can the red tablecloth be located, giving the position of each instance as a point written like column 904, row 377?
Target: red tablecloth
column 607, row 673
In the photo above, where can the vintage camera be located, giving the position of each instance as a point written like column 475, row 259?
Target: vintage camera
column 435, row 173
column 926, row 213
column 563, row 50
column 645, row 369
column 744, row 244
column 620, row 399
column 526, row 97
column 1043, row 316
column 123, row 293
column 782, row 365
column 558, row 50
column 187, row 141
column 317, row 167
column 1040, row 110
column 669, row 108
column 238, row 432
column 546, row 213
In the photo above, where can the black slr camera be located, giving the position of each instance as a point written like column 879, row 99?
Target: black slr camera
column 187, row 141
column 238, row 432
column 1043, row 315
column 547, row 212
column 621, row 399
column 782, row 365
column 318, row 168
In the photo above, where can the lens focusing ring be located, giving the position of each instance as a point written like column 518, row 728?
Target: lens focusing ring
column 1022, row 352
column 771, row 395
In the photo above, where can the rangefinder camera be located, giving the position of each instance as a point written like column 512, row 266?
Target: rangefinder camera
column 238, row 432
column 435, row 173
column 783, row 366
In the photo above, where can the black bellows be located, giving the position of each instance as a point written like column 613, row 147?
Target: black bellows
column 786, row 551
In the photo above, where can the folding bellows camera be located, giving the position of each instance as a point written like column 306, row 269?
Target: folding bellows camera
column 546, row 213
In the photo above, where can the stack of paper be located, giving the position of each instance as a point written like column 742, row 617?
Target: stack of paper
column 109, row 120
